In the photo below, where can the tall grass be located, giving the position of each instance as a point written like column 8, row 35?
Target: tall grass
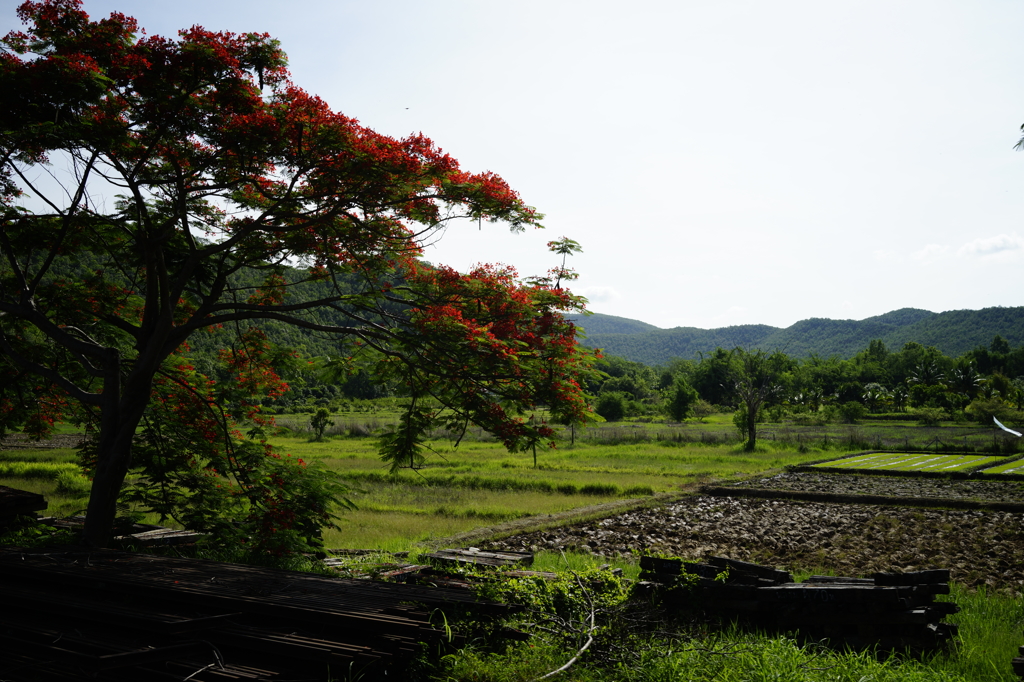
column 46, row 470
column 989, row 635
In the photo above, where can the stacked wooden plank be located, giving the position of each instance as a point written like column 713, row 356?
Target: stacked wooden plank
column 139, row 535
column 472, row 555
column 14, row 503
column 890, row 611
column 75, row 614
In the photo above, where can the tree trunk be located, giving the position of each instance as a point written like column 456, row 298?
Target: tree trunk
column 120, row 416
column 751, row 427
column 114, row 460
column 753, row 408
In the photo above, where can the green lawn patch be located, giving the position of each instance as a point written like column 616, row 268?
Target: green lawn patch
column 910, row 461
column 1013, row 467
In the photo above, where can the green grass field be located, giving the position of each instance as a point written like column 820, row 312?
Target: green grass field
column 476, row 484
column 903, row 461
column 1015, row 466
column 480, row 483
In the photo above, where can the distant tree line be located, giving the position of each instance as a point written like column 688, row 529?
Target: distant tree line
column 984, row 382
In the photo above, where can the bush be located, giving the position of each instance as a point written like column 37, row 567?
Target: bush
column 72, row 484
column 852, row 411
column 319, row 423
column 680, row 404
column 929, row 416
column 611, row 406
column 702, row 409
column 982, row 410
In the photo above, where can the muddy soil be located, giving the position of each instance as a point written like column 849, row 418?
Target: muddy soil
column 979, row 547
column 19, row 441
column 892, row 486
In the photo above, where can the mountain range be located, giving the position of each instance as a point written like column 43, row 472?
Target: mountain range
column 953, row 332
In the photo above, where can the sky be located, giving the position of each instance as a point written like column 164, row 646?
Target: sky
column 721, row 163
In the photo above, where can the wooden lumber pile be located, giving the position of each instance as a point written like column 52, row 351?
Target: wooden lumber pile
column 15, row 503
column 139, row 535
column 85, row 615
column 890, row 611
column 472, row 555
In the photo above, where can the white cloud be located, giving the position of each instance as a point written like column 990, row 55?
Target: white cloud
column 930, row 253
column 598, row 294
column 883, row 256
column 1001, row 244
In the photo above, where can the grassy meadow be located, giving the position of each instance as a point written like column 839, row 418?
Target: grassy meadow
column 477, row 483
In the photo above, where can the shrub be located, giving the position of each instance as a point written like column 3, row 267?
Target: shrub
column 982, row 410
column 72, row 483
column 611, row 406
column 319, row 423
column 702, row 409
column 680, row 405
column 929, row 416
column 852, row 411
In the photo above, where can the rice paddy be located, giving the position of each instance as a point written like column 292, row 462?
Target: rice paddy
column 1014, row 466
column 905, row 461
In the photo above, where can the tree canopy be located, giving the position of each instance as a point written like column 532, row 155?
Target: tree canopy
column 144, row 179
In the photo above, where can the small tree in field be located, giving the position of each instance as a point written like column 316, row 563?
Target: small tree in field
column 195, row 172
column 702, row 409
column 319, row 422
column 757, row 380
column 681, row 400
column 611, row 406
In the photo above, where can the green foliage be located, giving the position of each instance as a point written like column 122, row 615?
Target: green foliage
column 681, row 401
column 702, row 409
column 982, row 410
column 740, row 421
column 611, row 406
column 638, row 641
column 226, row 169
column 759, row 379
column 571, row 595
column 852, row 411
column 192, row 465
column 25, row 531
column 954, row 332
column 929, row 416
column 403, row 446
column 319, row 422
column 47, row 470
column 72, row 483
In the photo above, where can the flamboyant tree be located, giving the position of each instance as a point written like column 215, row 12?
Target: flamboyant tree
column 143, row 180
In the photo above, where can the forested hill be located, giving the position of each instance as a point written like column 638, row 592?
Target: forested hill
column 954, row 333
